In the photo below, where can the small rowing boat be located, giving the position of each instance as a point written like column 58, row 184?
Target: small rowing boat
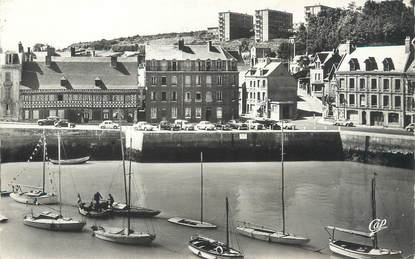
column 73, row 161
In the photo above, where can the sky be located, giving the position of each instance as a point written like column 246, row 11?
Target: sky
column 62, row 22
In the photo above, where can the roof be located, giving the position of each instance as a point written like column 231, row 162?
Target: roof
column 377, row 54
column 80, row 73
column 267, row 68
column 189, row 52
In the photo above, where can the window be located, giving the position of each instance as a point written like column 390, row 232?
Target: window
column 26, row 114
column 188, row 113
column 163, row 80
column 208, row 96
column 199, row 65
column 106, row 114
column 163, row 65
column 174, row 112
column 263, row 83
column 209, row 81
column 234, row 80
column 397, row 84
column 198, row 97
column 174, row 65
column 164, row 96
column 188, row 97
column 174, row 80
column 393, row 118
column 198, row 112
column 219, row 65
column 385, row 84
column 60, row 97
column 219, row 96
column 263, row 96
column 219, row 112
column 362, row 100
column 105, row 98
column 385, row 101
column 219, row 80
column 35, row 114
column 187, row 80
column 153, row 80
column 174, row 96
column 374, row 100
column 153, row 113
column 7, row 77
column 153, row 96
column 362, row 84
column 258, row 95
column 351, row 83
column 351, row 99
column 397, row 102
column 342, row 100
column 197, row 80
column 207, row 65
column 374, row 84
column 342, row 83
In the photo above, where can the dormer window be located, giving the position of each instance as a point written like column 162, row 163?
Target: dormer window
column 354, row 64
column 317, row 65
column 64, row 81
column 371, row 64
column 98, row 81
column 388, row 64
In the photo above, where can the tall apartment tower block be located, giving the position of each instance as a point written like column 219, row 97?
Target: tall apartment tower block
column 234, row 25
column 272, row 24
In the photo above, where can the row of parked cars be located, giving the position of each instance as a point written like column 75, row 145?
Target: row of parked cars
column 56, row 121
column 207, row 125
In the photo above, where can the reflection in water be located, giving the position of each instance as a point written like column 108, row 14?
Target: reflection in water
column 317, row 194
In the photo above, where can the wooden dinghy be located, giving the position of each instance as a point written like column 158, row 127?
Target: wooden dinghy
column 3, row 218
column 191, row 223
column 122, row 235
column 52, row 221
column 122, row 209
column 73, row 161
column 92, row 212
column 205, row 247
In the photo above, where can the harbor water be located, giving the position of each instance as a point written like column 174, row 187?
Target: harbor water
column 316, row 194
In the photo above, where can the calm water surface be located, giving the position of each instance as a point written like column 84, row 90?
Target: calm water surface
column 317, row 194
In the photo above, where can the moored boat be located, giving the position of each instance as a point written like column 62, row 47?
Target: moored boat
column 121, row 209
column 72, row 161
column 122, row 235
column 3, row 218
column 101, row 210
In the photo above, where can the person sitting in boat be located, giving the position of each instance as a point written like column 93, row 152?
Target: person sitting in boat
column 97, row 198
column 110, row 200
column 79, row 201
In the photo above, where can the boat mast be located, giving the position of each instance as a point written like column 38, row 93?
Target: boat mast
column 129, row 187
column 123, row 162
column 201, row 187
column 375, row 236
column 282, row 178
column 227, row 224
column 59, row 170
column 44, row 163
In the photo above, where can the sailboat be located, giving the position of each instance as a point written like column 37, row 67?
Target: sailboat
column 119, row 208
column 190, row 222
column 53, row 221
column 124, row 235
column 2, row 192
column 37, row 195
column 205, row 247
column 269, row 234
column 356, row 250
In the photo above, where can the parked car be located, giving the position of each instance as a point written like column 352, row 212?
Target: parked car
column 143, row 125
column 253, row 124
column 51, row 120
column 108, row 125
column 234, row 124
column 275, row 126
column 164, row 125
column 184, row 125
column 205, row 125
column 175, row 127
column 410, row 127
column 288, row 125
column 267, row 123
column 345, row 123
column 64, row 123
column 222, row 126
column 243, row 126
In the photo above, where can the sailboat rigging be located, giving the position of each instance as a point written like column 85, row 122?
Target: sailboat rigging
column 356, row 250
column 124, row 235
column 190, row 222
column 205, row 247
column 267, row 234
column 52, row 221
column 37, row 195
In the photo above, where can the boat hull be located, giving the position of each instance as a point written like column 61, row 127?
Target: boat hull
column 4, row 193
column 3, row 218
column 94, row 213
column 60, row 224
column 33, row 199
column 74, row 161
column 272, row 236
column 336, row 247
column 120, row 236
column 136, row 212
column 191, row 223
column 209, row 249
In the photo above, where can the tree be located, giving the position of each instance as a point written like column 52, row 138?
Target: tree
column 284, row 50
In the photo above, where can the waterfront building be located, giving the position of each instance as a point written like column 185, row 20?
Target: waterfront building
column 79, row 89
column 234, row 26
column 271, row 92
column 192, row 82
column 311, row 10
column 372, row 86
column 10, row 77
column 272, row 24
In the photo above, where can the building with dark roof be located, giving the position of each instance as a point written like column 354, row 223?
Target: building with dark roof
column 79, row 89
column 235, row 26
column 192, row 82
column 272, row 24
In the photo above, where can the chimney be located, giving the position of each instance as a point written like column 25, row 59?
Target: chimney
column 209, row 45
column 72, row 49
column 20, row 47
column 181, row 44
column 114, row 62
column 48, row 57
column 408, row 44
column 28, row 50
